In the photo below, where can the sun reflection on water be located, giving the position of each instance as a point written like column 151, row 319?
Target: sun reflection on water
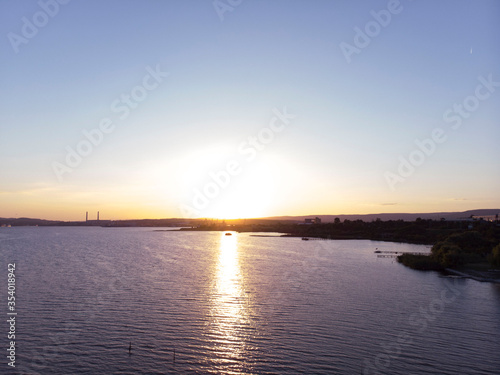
column 229, row 315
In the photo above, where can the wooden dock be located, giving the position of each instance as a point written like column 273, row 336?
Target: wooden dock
column 395, row 254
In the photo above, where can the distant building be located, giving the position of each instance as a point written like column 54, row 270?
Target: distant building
column 316, row 220
column 485, row 217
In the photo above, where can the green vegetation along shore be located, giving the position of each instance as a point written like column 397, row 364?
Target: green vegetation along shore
column 472, row 253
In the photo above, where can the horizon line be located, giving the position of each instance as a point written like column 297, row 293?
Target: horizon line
column 261, row 217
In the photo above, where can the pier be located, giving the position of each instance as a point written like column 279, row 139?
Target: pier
column 314, row 238
column 395, row 254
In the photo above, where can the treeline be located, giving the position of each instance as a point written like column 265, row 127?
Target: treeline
column 457, row 250
column 419, row 231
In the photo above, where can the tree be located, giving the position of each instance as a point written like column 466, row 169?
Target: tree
column 495, row 256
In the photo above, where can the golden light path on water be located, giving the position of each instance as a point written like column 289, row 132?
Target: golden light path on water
column 229, row 315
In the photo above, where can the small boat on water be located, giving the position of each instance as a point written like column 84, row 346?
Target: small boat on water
column 229, row 234
column 305, row 239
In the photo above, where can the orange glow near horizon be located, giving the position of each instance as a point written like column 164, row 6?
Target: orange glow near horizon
column 257, row 196
column 243, row 210
column 231, row 214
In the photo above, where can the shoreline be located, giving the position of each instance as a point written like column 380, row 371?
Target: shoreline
column 481, row 276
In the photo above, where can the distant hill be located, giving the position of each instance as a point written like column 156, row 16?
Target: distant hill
column 394, row 216
column 275, row 219
column 23, row 221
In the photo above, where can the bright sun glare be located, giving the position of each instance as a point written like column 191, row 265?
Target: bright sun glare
column 247, row 194
column 237, row 209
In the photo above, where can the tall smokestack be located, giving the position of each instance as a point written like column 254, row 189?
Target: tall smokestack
column 97, row 215
column 87, row 216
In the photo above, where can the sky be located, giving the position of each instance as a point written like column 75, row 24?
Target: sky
column 248, row 108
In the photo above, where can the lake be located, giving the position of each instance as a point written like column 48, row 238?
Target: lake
column 206, row 303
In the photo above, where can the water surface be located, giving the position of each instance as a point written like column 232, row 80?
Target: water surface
column 238, row 305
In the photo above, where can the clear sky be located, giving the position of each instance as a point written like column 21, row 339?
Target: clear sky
column 153, row 109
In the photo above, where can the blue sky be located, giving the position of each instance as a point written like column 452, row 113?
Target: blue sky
column 353, row 123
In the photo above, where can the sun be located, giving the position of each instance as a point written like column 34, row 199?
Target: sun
column 239, row 205
column 221, row 185
column 249, row 196
column 236, row 210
